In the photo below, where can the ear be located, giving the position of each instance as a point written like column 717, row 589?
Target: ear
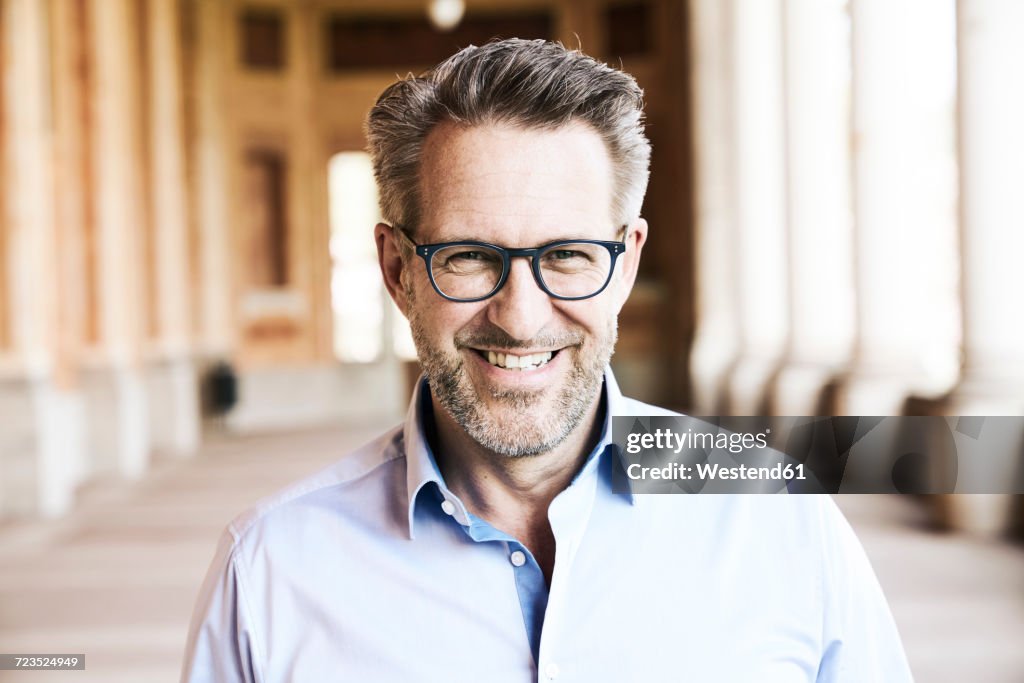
column 390, row 258
column 636, row 237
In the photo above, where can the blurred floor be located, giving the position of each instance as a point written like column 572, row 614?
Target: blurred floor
column 958, row 601
column 117, row 580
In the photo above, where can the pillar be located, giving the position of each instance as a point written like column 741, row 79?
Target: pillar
column 991, row 144
column 172, row 382
column 715, row 346
column 114, row 382
column 42, row 424
column 819, row 244
column 991, row 140
column 211, row 150
column 904, row 186
column 761, row 267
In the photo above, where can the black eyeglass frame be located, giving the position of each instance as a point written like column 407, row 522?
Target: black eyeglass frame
column 427, row 251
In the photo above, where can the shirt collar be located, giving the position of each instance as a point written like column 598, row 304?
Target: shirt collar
column 421, row 466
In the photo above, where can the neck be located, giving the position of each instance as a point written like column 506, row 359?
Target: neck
column 513, row 493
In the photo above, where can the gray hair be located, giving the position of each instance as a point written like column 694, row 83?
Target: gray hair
column 528, row 83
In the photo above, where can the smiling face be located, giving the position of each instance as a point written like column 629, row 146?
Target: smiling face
column 519, row 372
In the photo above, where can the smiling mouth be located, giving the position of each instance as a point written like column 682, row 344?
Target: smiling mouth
column 508, row 361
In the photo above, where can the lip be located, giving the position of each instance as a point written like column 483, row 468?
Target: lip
column 517, row 379
column 517, row 352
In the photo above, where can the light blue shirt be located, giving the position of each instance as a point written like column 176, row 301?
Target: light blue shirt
column 374, row 571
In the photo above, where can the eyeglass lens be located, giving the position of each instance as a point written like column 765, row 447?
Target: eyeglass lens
column 576, row 269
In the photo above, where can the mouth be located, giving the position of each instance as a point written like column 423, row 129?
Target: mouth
column 521, row 363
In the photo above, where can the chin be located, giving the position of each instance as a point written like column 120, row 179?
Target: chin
column 522, row 424
column 516, row 444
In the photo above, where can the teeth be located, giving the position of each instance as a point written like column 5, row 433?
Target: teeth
column 512, row 362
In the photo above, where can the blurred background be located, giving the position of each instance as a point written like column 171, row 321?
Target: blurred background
column 191, row 314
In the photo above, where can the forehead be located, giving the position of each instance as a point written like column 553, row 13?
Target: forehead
column 523, row 185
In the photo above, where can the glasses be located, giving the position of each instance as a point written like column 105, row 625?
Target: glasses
column 469, row 271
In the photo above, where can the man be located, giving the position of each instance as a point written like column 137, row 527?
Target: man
column 482, row 540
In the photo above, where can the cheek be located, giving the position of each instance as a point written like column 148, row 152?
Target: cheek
column 440, row 320
column 593, row 316
column 618, row 294
column 424, row 302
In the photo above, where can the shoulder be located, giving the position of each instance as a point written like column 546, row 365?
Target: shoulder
column 775, row 534
column 809, row 520
column 361, row 479
column 629, row 407
column 304, row 536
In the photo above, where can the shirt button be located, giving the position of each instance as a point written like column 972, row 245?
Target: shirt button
column 448, row 507
column 552, row 670
column 518, row 558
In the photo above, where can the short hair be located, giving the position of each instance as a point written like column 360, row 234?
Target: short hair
column 529, row 83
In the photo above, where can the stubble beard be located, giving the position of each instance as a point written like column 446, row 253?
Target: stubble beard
column 526, row 424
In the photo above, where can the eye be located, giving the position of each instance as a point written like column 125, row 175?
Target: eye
column 466, row 259
column 565, row 254
column 468, row 256
column 567, row 257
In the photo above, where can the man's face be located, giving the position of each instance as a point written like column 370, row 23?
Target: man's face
column 516, row 188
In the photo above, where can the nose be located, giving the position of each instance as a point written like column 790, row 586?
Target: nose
column 522, row 309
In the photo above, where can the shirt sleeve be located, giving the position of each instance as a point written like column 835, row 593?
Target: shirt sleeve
column 861, row 642
column 221, row 643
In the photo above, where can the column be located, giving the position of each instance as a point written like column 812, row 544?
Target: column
column 762, row 279
column 904, row 211
column 308, row 222
column 991, row 142
column 991, row 108
column 308, row 94
column 114, row 382
column 42, row 427
column 211, row 150
column 820, row 229
column 172, row 382
column 718, row 321
column 71, row 180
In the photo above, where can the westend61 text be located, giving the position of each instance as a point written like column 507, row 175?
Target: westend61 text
column 709, row 472
column 667, row 439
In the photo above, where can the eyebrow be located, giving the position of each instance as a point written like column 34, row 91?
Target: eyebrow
column 469, row 238
column 459, row 238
